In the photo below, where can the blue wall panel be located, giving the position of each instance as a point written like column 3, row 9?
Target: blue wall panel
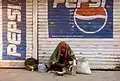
column 80, row 22
column 14, row 29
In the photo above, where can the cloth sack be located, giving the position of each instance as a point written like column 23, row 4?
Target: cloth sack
column 83, row 66
column 31, row 64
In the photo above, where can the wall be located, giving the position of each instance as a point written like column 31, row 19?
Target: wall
column 99, row 43
column 16, row 32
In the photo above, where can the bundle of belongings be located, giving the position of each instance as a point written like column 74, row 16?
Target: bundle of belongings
column 31, row 64
column 83, row 66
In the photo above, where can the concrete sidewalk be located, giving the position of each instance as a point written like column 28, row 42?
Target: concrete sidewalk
column 24, row 75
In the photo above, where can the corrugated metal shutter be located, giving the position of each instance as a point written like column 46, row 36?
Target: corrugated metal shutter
column 101, row 52
column 26, row 38
column 29, row 26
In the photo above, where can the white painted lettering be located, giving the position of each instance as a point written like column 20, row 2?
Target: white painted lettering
column 13, row 38
column 103, row 3
column 71, row 3
column 13, row 34
column 13, row 12
column 80, row 2
column 14, row 7
column 12, row 27
column 56, row 2
column 95, row 3
column 12, row 50
column 74, row 3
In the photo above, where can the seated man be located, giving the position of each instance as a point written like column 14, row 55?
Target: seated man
column 61, row 57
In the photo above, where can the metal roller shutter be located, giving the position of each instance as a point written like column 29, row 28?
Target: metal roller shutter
column 102, row 51
column 16, row 32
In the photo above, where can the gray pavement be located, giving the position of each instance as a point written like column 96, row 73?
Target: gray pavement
column 24, row 75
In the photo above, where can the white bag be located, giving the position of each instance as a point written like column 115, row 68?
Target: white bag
column 83, row 66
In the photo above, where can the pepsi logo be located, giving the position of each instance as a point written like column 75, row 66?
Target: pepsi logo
column 90, row 20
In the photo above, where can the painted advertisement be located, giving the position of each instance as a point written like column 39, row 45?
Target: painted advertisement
column 14, row 29
column 80, row 18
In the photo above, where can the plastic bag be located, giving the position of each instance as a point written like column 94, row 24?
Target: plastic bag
column 42, row 68
column 83, row 66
